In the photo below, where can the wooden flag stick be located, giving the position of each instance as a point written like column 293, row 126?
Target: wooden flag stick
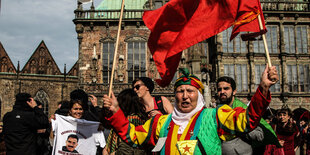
column 116, row 47
column 266, row 48
column 265, row 41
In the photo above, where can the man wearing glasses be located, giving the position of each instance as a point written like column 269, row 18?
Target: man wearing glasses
column 144, row 86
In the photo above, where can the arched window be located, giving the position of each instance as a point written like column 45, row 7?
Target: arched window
column 42, row 96
column 49, row 68
column 33, row 67
column 136, row 57
column 107, row 57
column 4, row 64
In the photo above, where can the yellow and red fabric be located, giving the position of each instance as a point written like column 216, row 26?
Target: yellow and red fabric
column 230, row 121
column 189, row 79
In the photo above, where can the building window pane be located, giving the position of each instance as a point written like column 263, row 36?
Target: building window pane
column 136, row 55
column 289, row 39
column 258, row 72
column 303, row 74
column 272, row 40
column 277, row 86
column 307, row 78
column 301, row 78
column 258, row 46
column 301, row 39
column 234, row 46
column 240, row 75
column 292, row 78
column 107, row 60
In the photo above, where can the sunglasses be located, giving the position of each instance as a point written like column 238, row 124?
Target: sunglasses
column 138, row 86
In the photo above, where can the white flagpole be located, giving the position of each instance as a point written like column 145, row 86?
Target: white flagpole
column 265, row 41
column 116, row 47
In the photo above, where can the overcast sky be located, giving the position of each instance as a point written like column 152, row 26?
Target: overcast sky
column 25, row 23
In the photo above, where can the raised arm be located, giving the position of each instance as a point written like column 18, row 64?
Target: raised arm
column 40, row 119
column 134, row 136
column 237, row 120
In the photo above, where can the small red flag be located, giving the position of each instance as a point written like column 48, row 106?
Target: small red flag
column 247, row 20
column 182, row 23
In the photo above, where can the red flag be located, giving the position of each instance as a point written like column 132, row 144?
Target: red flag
column 248, row 13
column 182, row 23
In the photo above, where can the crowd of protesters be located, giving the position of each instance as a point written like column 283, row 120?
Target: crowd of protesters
column 137, row 122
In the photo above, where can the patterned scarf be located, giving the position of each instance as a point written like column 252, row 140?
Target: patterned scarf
column 113, row 139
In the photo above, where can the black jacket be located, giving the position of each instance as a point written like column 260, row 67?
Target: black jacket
column 20, row 130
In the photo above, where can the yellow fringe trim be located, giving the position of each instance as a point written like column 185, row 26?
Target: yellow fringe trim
column 246, row 19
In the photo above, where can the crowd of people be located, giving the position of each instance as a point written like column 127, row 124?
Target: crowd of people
column 140, row 123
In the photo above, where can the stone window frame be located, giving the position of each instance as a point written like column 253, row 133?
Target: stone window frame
column 4, row 64
column 272, row 37
column 106, row 72
column 289, row 39
column 33, row 66
column 259, row 68
column 240, row 76
column 298, row 79
column 136, row 72
column 234, row 46
column 44, row 100
column 302, row 39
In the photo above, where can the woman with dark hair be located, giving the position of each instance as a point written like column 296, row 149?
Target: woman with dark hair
column 76, row 109
column 75, row 123
column 134, row 110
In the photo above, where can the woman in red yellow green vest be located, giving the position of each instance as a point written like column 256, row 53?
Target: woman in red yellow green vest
column 191, row 128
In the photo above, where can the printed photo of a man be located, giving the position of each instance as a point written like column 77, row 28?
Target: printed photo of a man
column 71, row 144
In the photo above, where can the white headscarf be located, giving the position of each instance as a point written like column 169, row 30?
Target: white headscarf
column 182, row 119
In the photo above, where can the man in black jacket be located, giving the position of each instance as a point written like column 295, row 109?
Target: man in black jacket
column 21, row 124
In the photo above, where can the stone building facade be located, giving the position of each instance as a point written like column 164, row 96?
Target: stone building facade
column 40, row 77
column 288, row 42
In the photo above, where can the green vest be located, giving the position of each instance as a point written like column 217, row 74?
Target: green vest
column 205, row 131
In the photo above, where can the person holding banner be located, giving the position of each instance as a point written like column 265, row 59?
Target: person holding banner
column 86, row 135
column 191, row 128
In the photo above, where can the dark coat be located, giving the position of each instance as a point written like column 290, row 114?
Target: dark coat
column 20, row 130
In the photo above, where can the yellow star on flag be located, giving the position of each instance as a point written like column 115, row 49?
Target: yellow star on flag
column 186, row 147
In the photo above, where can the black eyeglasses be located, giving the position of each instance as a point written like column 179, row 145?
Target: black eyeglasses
column 138, row 86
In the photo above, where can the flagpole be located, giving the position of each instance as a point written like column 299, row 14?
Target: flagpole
column 266, row 48
column 116, row 47
column 264, row 40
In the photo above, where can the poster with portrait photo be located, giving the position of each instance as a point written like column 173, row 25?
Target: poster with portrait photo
column 76, row 136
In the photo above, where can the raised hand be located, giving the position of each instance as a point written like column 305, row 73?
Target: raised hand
column 110, row 103
column 269, row 77
column 93, row 100
column 32, row 103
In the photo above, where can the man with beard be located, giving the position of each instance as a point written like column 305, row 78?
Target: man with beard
column 244, row 143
